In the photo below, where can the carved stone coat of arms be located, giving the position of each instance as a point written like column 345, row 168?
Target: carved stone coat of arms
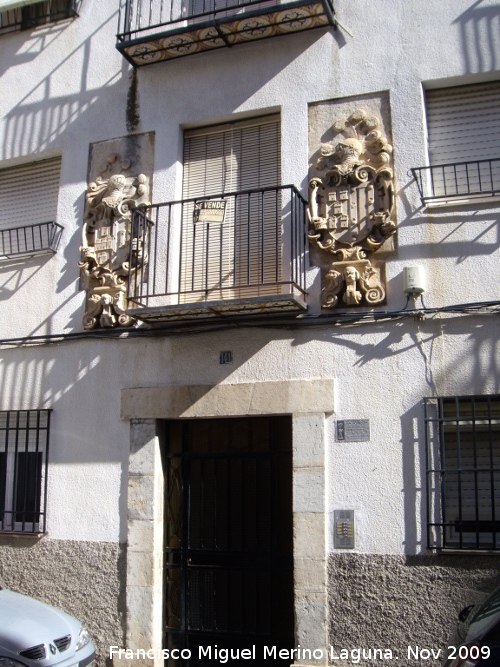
column 351, row 210
column 108, row 254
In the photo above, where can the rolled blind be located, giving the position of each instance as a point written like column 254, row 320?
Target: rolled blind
column 29, row 192
column 237, row 257
column 463, row 123
column 232, row 157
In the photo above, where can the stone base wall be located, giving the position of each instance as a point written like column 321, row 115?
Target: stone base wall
column 396, row 602
column 85, row 579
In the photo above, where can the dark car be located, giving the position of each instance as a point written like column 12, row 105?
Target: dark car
column 478, row 635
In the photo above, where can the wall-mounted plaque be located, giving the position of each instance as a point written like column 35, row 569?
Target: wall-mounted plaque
column 353, row 430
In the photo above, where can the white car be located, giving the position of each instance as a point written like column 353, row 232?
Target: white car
column 34, row 633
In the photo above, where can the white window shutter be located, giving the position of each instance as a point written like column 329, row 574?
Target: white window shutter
column 463, row 123
column 221, row 261
column 29, row 192
column 232, row 157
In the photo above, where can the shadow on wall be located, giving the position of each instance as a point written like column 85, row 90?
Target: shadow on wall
column 456, row 232
column 16, row 277
column 458, row 356
column 40, row 117
column 481, row 369
column 14, row 274
column 482, row 18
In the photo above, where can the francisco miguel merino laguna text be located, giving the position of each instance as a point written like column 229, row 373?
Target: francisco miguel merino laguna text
column 224, row 655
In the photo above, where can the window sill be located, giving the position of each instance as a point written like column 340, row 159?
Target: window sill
column 16, row 534
column 462, row 201
column 466, row 552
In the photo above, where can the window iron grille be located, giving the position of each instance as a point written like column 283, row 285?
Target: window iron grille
column 456, row 182
column 36, row 14
column 30, row 240
column 24, row 448
column 463, row 472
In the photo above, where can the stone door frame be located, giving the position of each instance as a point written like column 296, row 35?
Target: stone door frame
column 307, row 402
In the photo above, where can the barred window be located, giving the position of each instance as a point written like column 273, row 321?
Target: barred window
column 463, row 472
column 21, row 15
column 24, row 446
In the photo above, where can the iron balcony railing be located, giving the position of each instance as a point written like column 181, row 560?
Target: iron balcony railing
column 448, row 183
column 29, row 16
column 224, row 254
column 150, row 31
column 29, row 240
column 463, row 472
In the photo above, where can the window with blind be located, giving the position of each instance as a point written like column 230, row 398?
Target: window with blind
column 463, row 126
column 236, row 167
column 28, row 208
column 463, row 440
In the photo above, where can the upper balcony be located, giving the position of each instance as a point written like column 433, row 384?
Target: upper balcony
column 151, row 31
column 237, row 253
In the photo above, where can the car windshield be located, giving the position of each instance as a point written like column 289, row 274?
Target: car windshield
column 484, row 618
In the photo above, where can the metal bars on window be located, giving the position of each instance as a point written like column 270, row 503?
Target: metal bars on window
column 463, row 472
column 30, row 16
column 24, row 447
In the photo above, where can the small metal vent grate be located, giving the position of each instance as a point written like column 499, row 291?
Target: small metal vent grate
column 63, row 643
column 35, row 652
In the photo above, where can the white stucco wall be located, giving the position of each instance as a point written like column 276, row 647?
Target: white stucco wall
column 65, row 86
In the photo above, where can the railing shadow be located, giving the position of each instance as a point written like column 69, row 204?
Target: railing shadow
column 480, row 54
column 35, row 123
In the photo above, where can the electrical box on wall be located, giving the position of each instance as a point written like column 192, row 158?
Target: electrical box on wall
column 414, row 281
column 343, row 529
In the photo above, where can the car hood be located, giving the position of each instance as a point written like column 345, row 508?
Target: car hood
column 25, row 622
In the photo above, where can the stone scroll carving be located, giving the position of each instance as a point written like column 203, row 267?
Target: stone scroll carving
column 351, row 210
column 108, row 257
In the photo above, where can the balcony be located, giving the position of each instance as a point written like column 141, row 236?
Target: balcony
column 151, row 31
column 18, row 15
column 239, row 253
column 29, row 240
column 458, row 183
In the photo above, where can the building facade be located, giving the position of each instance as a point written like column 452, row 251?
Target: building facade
column 249, row 276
